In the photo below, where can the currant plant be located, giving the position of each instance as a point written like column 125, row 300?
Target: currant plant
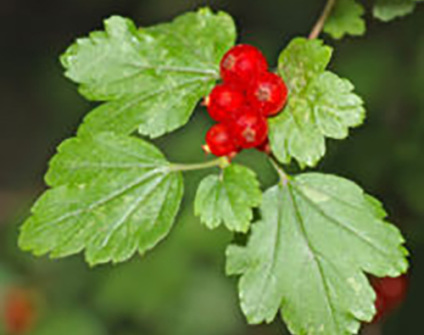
column 113, row 194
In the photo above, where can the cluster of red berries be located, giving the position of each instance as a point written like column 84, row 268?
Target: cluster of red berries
column 391, row 292
column 241, row 104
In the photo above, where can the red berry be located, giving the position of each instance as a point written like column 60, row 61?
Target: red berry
column 242, row 64
column 224, row 101
column 250, row 129
column 268, row 94
column 19, row 312
column 219, row 141
column 393, row 289
column 380, row 307
column 391, row 292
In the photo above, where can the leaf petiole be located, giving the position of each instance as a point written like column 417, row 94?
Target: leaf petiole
column 221, row 162
column 284, row 177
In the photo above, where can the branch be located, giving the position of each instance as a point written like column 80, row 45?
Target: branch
column 319, row 25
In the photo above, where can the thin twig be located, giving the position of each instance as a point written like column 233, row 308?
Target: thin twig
column 319, row 25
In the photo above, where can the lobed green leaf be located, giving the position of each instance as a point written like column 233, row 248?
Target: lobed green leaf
column 387, row 10
column 228, row 198
column 112, row 196
column 346, row 19
column 149, row 79
column 302, row 61
column 308, row 256
column 320, row 104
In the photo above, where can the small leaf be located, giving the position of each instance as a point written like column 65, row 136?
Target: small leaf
column 113, row 196
column 302, row 61
column 320, row 105
column 308, row 256
column 228, row 198
column 150, row 79
column 346, row 18
column 387, row 10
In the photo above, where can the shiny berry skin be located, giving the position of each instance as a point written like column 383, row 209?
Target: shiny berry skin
column 268, row 94
column 250, row 128
column 220, row 141
column 242, row 64
column 224, row 101
column 19, row 312
column 391, row 292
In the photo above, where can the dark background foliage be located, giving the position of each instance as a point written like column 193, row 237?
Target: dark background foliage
column 180, row 288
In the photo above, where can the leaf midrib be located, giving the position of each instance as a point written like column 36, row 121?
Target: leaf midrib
column 132, row 209
column 206, row 73
column 143, row 98
column 104, row 200
column 334, row 220
column 315, row 253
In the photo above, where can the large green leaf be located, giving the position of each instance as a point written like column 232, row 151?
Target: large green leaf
column 320, row 104
column 308, row 256
column 346, row 18
column 228, row 198
column 150, row 79
column 113, row 195
column 387, row 10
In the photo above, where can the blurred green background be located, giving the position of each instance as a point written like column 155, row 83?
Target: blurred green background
column 180, row 288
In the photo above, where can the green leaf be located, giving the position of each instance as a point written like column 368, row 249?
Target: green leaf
column 387, row 10
column 320, row 104
column 346, row 18
column 113, row 196
column 150, row 79
column 228, row 198
column 302, row 61
column 308, row 256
